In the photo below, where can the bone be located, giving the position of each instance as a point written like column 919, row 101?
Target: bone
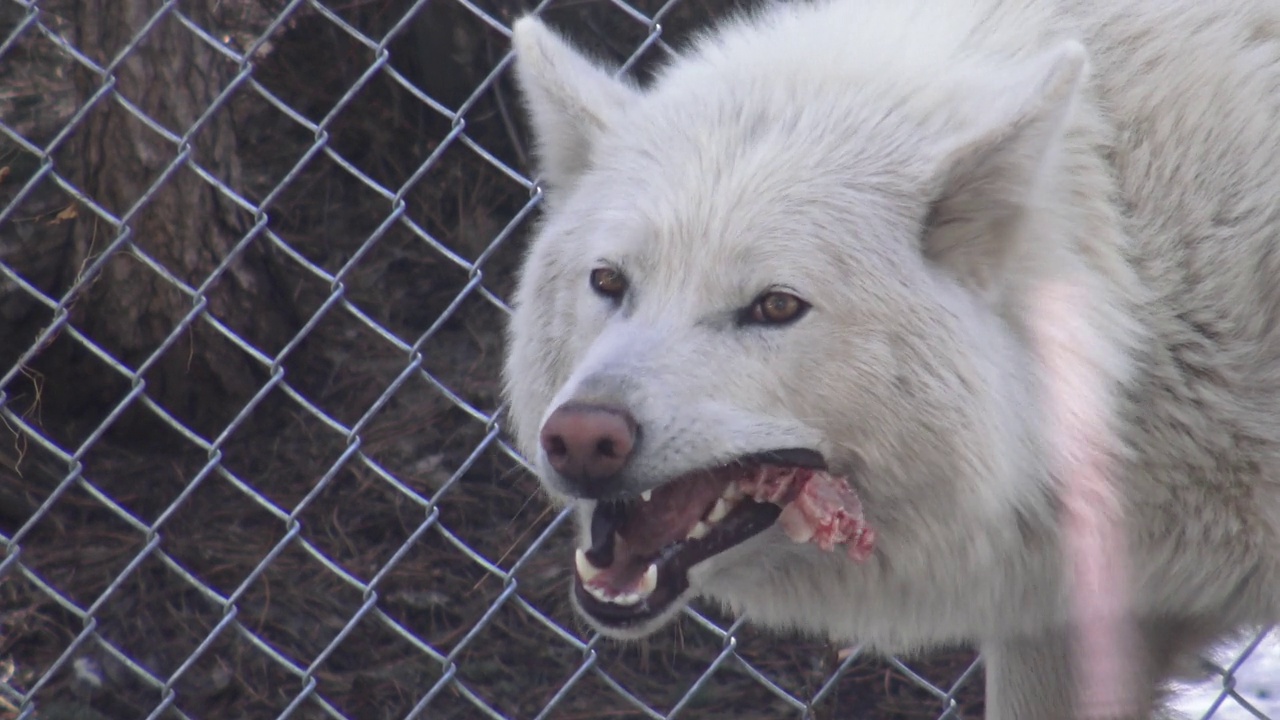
column 794, row 523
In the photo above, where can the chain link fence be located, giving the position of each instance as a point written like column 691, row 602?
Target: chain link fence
column 253, row 256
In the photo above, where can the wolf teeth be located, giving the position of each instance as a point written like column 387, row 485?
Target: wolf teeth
column 649, row 582
column 732, row 492
column 586, row 570
column 627, row 599
column 719, row 511
column 602, row 595
column 647, row 495
column 699, row 531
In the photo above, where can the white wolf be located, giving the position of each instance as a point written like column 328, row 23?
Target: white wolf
column 857, row 242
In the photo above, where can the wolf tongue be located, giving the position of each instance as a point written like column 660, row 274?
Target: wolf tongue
column 604, row 525
column 627, row 537
column 671, row 512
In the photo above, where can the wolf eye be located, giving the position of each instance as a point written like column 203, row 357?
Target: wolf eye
column 775, row 308
column 608, row 282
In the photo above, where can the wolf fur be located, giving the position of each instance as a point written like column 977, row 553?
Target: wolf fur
column 934, row 178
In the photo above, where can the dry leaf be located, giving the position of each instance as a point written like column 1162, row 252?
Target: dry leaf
column 70, row 212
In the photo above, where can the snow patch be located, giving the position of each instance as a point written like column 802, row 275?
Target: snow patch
column 1257, row 682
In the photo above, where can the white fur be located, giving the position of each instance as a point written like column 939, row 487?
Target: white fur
column 923, row 173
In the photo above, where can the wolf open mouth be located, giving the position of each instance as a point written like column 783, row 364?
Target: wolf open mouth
column 642, row 548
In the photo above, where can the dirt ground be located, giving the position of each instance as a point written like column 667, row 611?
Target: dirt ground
column 371, row 561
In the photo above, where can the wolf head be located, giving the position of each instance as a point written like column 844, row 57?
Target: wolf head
column 798, row 254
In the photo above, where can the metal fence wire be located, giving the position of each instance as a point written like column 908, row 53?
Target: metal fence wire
column 253, row 256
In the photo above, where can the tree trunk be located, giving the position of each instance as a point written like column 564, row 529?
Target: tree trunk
column 185, row 224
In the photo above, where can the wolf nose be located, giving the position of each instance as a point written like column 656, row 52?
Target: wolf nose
column 588, row 442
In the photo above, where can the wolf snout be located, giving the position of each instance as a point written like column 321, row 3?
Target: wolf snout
column 587, row 444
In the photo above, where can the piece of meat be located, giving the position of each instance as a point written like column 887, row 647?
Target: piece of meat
column 818, row 507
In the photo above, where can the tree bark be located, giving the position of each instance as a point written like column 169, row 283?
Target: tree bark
column 186, row 224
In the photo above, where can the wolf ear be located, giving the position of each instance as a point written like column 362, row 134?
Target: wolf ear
column 993, row 172
column 570, row 100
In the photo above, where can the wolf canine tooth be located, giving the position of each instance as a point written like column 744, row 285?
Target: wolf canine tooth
column 649, row 582
column 699, row 531
column 719, row 511
column 647, row 495
column 586, row 570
